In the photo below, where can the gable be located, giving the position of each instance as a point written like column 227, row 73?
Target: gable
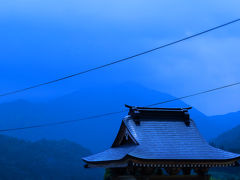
column 124, row 137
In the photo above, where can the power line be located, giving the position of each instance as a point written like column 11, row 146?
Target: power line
column 195, row 94
column 60, row 122
column 117, row 112
column 118, row 61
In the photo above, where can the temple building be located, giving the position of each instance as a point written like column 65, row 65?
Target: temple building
column 160, row 143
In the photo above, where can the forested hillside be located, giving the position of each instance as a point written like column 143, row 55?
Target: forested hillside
column 44, row 159
column 229, row 141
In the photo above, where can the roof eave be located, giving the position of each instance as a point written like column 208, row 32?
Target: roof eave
column 133, row 161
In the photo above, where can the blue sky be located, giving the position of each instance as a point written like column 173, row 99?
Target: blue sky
column 41, row 40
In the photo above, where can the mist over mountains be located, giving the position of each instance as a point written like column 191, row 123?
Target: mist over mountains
column 96, row 134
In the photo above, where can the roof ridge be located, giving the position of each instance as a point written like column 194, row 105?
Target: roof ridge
column 157, row 108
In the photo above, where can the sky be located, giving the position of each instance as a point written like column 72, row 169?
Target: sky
column 41, row 40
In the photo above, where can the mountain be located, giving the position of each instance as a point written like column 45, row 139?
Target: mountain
column 224, row 122
column 229, row 140
column 95, row 134
column 43, row 159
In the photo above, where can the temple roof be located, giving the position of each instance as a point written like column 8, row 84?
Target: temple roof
column 159, row 134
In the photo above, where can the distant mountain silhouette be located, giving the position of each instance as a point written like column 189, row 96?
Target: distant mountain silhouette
column 229, row 140
column 95, row 134
column 225, row 122
column 43, row 159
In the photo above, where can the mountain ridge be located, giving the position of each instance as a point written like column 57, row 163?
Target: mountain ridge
column 229, row 139
column 95, row 134
column 43, row 159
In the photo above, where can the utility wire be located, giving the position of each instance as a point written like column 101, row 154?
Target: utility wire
column 60, row 122
column 120, row 60
column 195, row 94
column 117, row 112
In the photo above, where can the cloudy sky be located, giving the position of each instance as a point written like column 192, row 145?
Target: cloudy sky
column 41, row 40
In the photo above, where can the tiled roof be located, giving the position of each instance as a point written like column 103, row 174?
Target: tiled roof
column 112, row 154
column 172, row 140
column 163, row 139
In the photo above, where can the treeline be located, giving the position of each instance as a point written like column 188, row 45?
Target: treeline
column 43, row 160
